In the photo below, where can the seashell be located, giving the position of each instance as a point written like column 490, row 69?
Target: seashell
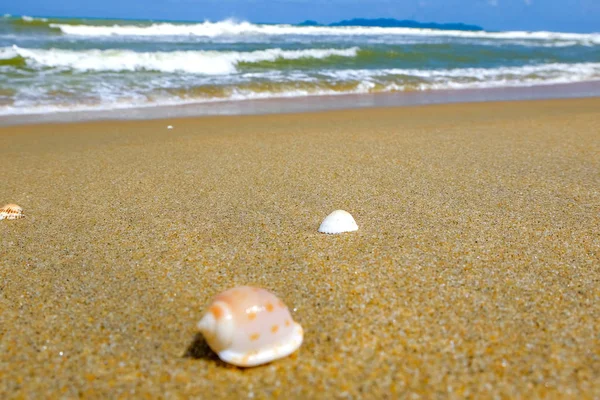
column 248, row 326
column 11, row 211
column 338, row 221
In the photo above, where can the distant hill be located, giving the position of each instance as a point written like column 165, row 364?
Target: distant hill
column 309, row 22
column 395, row 23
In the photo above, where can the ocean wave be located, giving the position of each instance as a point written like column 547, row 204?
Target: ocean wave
column 233, row 28
column 548, row 73
column 194, row 62
column 111, row 103
column 185, row 89
column 27, row 18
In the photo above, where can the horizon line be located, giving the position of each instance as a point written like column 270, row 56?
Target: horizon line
column 240, row 20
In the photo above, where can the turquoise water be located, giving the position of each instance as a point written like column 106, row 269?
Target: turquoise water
column 49, row 65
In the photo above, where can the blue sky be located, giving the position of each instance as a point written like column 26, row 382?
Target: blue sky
column 556, row 15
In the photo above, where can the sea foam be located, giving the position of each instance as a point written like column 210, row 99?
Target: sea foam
column 363, row 81
column 27, row 18
column 195, row 62
column 233, row 28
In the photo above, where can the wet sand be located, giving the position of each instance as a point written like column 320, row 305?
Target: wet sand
column 301, row 104
column 475, row 271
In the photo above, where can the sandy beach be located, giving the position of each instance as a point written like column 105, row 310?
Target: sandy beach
column 475, row 271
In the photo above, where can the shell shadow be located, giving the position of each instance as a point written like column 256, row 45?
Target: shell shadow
column 198, row 349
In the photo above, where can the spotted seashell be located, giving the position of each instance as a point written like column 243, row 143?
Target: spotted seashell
column 338, row 221
column 11, row 211
column 248, row 326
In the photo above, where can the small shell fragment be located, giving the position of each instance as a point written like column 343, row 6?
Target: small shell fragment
column 11, row 211
column 338, row 221
column 248, row 326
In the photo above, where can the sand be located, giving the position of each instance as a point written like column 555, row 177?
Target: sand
column 475, row 271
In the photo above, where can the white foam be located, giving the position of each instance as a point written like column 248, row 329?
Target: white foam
column 27, row 18
column 394, row 80
column 196, row 62
column 243, row 95
column 233, row 28
column 404, row 79
column 6, row 53
column 166, row 89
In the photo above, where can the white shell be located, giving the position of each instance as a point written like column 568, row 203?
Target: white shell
column 11, row 211
column 248, row 326
column 338, row 221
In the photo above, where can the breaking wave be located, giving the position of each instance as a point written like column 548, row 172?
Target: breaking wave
column 233, row 28
column 267, row 85
column 195, row 62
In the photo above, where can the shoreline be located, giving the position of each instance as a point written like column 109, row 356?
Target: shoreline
column 309, row 104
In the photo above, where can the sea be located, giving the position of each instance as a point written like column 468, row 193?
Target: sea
column 51, row 65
